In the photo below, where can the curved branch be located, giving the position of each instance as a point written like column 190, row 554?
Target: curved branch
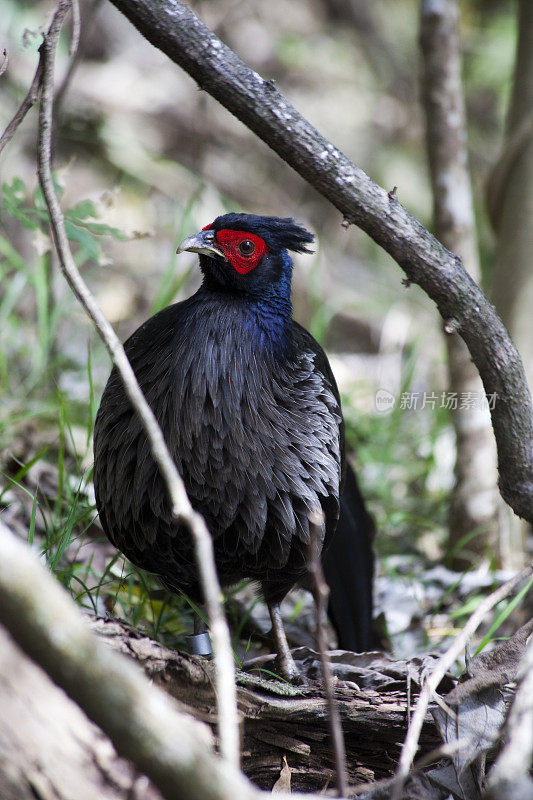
column 27, row 103
column 180, row 503
column 174, row 29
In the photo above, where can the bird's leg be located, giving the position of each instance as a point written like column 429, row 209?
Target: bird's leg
column 199, row 624
column 284, row 661
column 200, row 642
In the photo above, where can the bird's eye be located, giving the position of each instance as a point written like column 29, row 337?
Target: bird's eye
column 246, row 248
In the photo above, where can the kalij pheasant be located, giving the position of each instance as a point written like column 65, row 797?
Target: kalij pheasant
column 251, row 413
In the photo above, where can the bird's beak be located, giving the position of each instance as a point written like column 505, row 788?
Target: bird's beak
column 203, row 242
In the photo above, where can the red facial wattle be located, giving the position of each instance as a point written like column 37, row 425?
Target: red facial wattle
column 241, row 249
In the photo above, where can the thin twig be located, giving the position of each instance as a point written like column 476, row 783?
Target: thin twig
column 27, row 103
column 181, row 506
column 321, row 594
column 88, row 22
column 446, row 750
column 444, row 663
column 76, row 28
column 5, row 62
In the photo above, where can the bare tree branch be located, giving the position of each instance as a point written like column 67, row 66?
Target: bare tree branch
column 181, row 506
column 50, row 749
column 89, row 18
column 443, row 751
column 173, row 28
column 76, row 27
column 27, row 103
column 5, row 62
column 321, row 595
column 510, row 204
column 444, row 663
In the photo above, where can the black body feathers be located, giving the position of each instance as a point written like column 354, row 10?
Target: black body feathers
column 250, row 411
column 256, row 441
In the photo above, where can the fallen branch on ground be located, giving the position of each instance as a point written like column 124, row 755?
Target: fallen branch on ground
column 170, row 747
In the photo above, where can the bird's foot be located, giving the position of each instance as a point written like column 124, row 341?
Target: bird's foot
column 284, row 662
column 285, row 667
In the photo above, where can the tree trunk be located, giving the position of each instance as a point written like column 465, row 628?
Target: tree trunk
column 474, row 503
column 510, row 200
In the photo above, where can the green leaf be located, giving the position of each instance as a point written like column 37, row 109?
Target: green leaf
column 10, row 254
column 82, row 210
column 14, row 192
column 468, row 607
column 86, row 240
column 19, row 475
column 101, row 229
column 33, row 520
column 502, row 616
column 27, row 221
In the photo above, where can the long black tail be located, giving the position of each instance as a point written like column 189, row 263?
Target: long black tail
column 349, row 570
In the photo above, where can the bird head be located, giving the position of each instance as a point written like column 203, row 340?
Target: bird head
column 248, row 253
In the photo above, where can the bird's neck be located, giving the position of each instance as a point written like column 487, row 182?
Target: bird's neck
column 270, row 323
column 264, row 312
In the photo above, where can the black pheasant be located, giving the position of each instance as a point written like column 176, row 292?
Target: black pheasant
column 251, row 413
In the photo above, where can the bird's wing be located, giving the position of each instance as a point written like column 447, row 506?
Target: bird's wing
column 349, row 559
column 304, row 341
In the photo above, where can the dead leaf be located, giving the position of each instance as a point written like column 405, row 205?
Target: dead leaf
column 283, row 783
column 479, row 709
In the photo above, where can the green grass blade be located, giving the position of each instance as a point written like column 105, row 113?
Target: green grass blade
column 502, row 616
